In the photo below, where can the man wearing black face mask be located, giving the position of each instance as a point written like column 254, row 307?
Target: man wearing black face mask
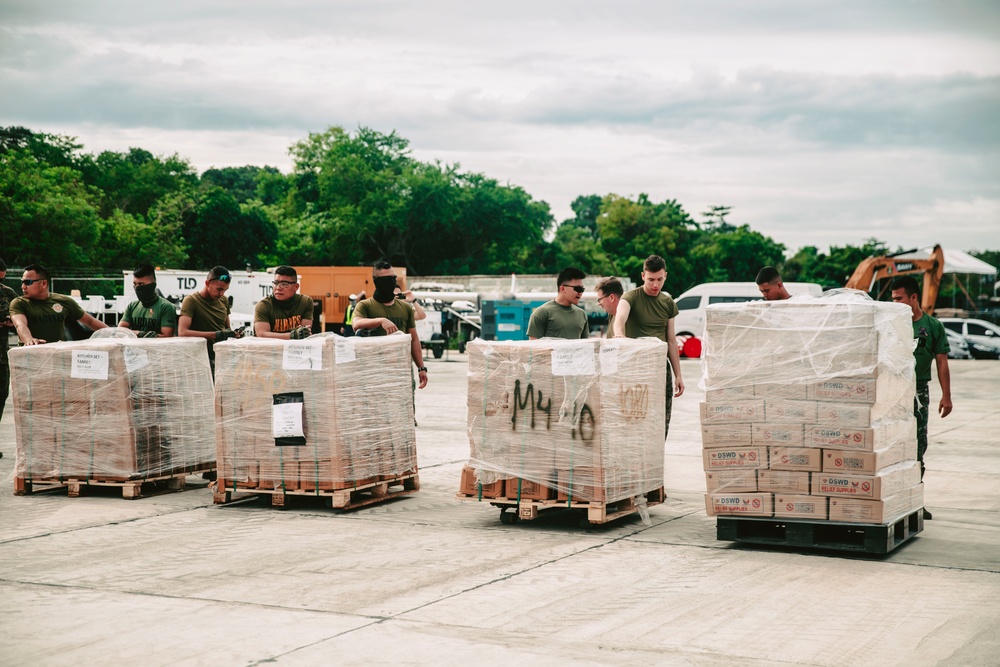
column 383, row 314
column 151, row 316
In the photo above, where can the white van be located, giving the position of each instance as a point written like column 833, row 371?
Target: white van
column 690, row 320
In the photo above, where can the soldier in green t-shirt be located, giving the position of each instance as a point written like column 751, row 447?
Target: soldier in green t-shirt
column 609, row 295
column 562, row 317
column 150, row 315
column 284, row 314
column 205, row 313
column 649, row 311
column 383, row 314
column 40, row 316
column 932, row 344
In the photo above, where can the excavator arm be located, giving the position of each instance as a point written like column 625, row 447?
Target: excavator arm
column 873, row 269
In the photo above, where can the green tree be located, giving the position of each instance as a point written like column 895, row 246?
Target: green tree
column 133, row 181
column 241, row 182
column 737, row 255
column 218, row 231
column 47, row 214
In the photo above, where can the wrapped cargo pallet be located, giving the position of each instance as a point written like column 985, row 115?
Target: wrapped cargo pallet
column 320, row 414
column 813, row 397
column 567, row 420
column 112, row 409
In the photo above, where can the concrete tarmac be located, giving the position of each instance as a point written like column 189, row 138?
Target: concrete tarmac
column 429, row 580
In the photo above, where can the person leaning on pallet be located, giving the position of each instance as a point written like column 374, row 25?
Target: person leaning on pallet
column 205, row 313
column 40, row 316
column 770, row 285
column 932, row 343
column 285, row 314
column 649, row 311
column 150, row 315
column 383, row 314
column 609, row 295
column 562, row 317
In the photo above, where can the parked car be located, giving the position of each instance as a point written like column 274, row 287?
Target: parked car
column 959, row 346
column 982, row 337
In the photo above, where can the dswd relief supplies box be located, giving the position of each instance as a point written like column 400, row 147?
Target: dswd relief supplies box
column 739, row 504
column 783, row 481
column 727, row 394
column 885, row 483
column 729, row 458
column 112, row 409
column 731, row 481
column 726, row 435
column 795, row 458
column 853, row 415
column 788, row 435
column 841, row 461
column 879, row 436
column 781, row 390
column 550, row 410
column 801, row 507
column 744, row 410
column 325, row 412
column 856, row 510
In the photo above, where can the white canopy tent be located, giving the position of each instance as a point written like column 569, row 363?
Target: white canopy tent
column 956, row 262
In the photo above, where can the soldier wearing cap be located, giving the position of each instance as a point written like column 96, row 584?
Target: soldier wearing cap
column 205, row 313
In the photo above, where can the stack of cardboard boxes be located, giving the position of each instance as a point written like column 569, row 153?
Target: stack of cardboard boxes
column 808, row 410
column 567, row 420
column 324, row 413
column 112, row 409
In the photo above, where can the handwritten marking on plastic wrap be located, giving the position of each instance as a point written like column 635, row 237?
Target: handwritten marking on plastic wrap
column 634, row 401
column 573, row 360
column 497, row 405
column 609, row 358
column 343, row 351
column 89, row 365
column 581, row 417
column 302, row 356
column 134, row 358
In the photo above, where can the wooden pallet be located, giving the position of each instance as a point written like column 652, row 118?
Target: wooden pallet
column 386, row 487
column 131, row 489
column 597, row 512
column 860, row 538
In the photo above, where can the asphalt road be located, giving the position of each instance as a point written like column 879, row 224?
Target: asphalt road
column 426, row 579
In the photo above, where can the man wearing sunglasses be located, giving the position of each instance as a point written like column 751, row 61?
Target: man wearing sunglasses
column 285, row 314
column 562, row 317
column 649, row 311
column 205, row 313
column 40, row 316
column 609, row 295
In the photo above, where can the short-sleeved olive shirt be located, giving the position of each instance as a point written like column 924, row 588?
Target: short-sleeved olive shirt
column 150, row 318
column 931, row 341
column 554, row 320
column 46, row 318
column 649, row 314
column 399, row 313
column 205, row 314
column 283, row 316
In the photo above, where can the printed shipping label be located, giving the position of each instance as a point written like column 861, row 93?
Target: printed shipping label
column 135, row 359
column 609, row 358
column 573, row 360
column 302, row 356
column 287, row 420
column 344, row 352
column 89, row 365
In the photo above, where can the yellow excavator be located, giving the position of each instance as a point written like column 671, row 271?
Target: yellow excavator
column 870, row 271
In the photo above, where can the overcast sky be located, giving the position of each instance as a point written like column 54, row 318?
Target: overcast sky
column 820, row 123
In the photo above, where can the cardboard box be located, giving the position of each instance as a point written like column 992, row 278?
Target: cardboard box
column 729, row 458
column 470, row 486
column 856, row 510
column 888, row 482
column 525, row 489
column 582, row 485
column 783, row 481
column 801, row 507
column 795, row 458
column 731, row 481
column 726, row 435
column 856, row 438
column 739, row 504
column 787, row 411
column 843, row 390
column 842, row 461
column 843, row 414
column 788, row 435
column 795, row 392
column 727, row 394
column 747, row 410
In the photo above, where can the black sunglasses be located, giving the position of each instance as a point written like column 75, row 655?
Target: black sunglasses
column 225, row 277
column 579, row 289
column 31, row 281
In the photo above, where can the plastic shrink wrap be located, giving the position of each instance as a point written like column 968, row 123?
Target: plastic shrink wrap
column 112, row 408
column 808, row 409
column 574, row 420
column 323, row 413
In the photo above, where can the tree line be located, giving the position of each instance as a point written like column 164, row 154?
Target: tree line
column 352, row 198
